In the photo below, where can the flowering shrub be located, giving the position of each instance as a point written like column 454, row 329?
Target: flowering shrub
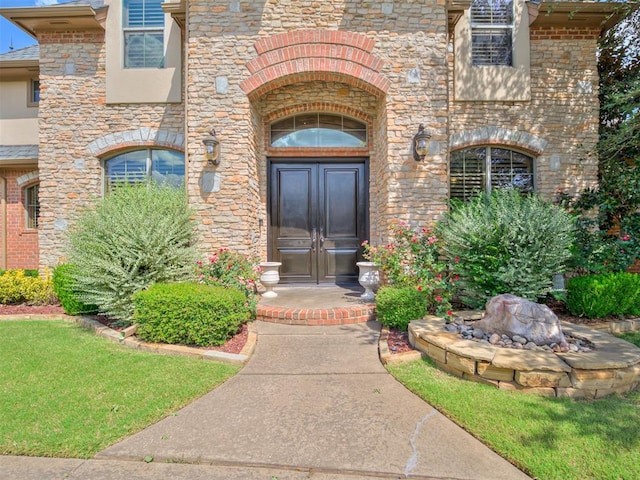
column 232, row 270
column 597, row 251
column 412, row 259
column 18, row 286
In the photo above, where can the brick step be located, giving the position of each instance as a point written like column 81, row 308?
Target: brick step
column 316, row 316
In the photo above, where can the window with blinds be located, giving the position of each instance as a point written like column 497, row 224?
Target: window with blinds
column 163, row 166
column 492, row 32
column 32, row 205
column 143, row 34
column 478, row 169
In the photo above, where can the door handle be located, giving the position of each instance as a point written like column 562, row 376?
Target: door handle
column 321, row 239
column 313, row 240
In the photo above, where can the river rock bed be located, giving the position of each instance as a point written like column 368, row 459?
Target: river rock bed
column 467, row 331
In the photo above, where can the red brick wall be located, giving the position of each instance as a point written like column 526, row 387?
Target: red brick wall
column 22, row 243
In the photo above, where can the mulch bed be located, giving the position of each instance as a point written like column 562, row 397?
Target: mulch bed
column 31, row 309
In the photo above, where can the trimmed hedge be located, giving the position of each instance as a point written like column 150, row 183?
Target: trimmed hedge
column 189, row 313
column 22, row 286
column 63, row 285
column 397, row 306
column 598, row 296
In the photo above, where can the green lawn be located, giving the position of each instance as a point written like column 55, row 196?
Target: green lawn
column 547, row 438
column 66, row 393
column 632, row 337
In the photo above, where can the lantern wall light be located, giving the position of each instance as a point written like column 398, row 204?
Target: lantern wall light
column 420, row 144
column 212, row 148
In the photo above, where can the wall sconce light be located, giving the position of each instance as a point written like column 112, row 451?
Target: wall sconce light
column 212, row 148
column 420, row 143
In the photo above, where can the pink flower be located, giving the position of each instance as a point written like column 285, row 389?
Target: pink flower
column 419, row 288
column 365, row 243
column 450, row 313
column 456, row 260
column 626, row 238
column 438, row 298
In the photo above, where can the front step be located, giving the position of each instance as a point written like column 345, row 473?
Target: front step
column 317, row 316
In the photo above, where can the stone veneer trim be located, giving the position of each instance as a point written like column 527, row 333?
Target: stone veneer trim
column 142, row 137
column 498, row 136
column 27, row 178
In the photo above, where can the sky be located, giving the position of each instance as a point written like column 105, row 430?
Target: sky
column 10, row 34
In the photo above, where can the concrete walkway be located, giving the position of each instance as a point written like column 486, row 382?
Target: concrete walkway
column 313, row 402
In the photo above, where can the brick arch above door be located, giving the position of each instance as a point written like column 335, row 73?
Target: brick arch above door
column 308, row 55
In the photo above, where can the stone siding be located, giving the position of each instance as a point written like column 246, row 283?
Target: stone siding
column 78, row 130
column 388, row 56
column 247, row 64
column 562, row 115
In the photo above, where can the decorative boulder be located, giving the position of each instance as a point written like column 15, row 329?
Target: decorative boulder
column 510, row 315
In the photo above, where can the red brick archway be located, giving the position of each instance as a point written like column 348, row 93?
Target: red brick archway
column 308, row 55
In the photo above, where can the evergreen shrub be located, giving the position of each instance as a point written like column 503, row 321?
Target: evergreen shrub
column 604, row 295
column 135, row 236
column 397, row 306
column 505, row 242
column 64, row 286
column 189, row 313
column 18, row 286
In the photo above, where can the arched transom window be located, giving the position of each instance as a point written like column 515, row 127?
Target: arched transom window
column 479, row 169
column 164, row 166
column 318, row 130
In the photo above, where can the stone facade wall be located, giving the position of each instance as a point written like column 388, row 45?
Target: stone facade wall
column 408, row 38
column 562, row 113
column 74, row 116
column 21, row 242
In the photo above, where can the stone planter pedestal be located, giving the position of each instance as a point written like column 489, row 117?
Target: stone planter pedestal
column 369, row 278
column 270, row 277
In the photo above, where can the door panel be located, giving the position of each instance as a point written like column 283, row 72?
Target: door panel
column 341, row 221
column 293, row 190
column 317, row 219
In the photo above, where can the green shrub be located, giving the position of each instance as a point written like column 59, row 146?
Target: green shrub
column 18, row 286
column 506, row 243
column 226, row 268
column 189, row 313
column 598, row 251
column 134, row 237
column 598, row 296
column 397, row 306
column 64, row 286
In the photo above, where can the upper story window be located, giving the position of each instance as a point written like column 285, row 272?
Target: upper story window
column 143, row 25
column 32, row 205
column 484, row 168
column 34, row 93
column 318, row 130
column 164, row 166
column 492, row 32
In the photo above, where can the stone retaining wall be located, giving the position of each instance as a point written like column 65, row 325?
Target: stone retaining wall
column 613, row 367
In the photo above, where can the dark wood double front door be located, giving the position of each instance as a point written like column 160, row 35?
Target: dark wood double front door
column 318, row 218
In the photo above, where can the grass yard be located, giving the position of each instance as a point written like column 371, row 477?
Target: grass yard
column 66, row 393
column 631, row 337
column 548, row 438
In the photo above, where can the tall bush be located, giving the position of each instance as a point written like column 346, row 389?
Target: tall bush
column 506, row 243
column 134, row 237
